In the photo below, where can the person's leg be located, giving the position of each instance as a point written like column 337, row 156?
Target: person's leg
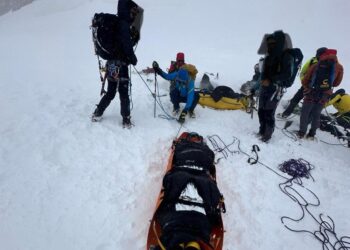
column 305, row 117
column 123, row 89
column 262, row 122
column 315, row 119
column 108, row 97
column 195, row 101
column 270, row 121
column 175, row 99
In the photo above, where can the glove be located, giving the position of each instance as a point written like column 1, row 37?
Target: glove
column 133, row 60
column 182, row 116
column 156, row 68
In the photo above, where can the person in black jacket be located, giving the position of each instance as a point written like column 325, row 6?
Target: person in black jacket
column 276, row 71
column 117, row 72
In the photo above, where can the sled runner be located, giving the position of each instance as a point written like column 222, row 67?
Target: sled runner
column 189, row 206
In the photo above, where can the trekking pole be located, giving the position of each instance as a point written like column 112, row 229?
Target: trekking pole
column 155, row 94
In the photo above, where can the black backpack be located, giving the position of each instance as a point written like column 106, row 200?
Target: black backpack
column 297, row 58
column 105, row 34
column 323, row 76
column 223, row 91
column 193, row 151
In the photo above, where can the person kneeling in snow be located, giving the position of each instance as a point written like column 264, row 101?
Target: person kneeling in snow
column 341, row 102
column 183, row 91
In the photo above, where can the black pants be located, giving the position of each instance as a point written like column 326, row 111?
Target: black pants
column 123, row 89
column 294, row 102
column 266, row 112
column 176, row 99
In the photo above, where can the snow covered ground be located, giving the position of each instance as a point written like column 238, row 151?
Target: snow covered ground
column 67, row 183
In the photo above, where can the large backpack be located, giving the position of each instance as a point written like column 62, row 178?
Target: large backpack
column 297, row 58
column 191, row 150
column 191, row 69
column 324, row 73
column 105, row 35
column 224, row 91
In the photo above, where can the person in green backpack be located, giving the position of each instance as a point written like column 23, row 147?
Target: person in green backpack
column 299, row 94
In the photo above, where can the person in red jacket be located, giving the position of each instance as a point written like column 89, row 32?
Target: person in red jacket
column 318, row 83
column 175, row 66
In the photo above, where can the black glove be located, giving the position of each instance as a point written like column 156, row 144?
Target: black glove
column 182, row 116
column 156, row 68
column 133, row 60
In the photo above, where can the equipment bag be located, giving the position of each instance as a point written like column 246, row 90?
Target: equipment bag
column 191, row 150
column 224, row 91
column 191, row 69
column 105, row 35
column 297, row 58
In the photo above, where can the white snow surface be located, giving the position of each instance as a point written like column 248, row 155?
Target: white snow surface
column 67, row 183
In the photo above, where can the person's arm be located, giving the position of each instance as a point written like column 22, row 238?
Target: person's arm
column 126, row 42
column 168, row 76
column 190, row 95
column 339, row 76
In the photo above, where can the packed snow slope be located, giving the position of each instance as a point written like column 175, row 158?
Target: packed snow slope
column 67, row 183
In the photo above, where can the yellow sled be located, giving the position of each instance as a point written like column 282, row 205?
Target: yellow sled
column 224, row 103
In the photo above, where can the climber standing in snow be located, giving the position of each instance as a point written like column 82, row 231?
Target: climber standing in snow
column 126, row 36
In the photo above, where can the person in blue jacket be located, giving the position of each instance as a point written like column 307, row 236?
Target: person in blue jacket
column 183, row 91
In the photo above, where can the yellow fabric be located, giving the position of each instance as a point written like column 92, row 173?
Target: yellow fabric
column 224, row 103
column 191, row 69
column 193, row 244
column 306, row 66
column 341, row 103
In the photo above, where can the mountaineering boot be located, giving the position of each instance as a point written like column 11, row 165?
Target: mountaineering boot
column 300, row 134
column 97, row 115
column 182, row 117
column 192, row 114
column 282, row 116
column 126, row 122
column 176, row 112
column 311, row 135
column 268, row 134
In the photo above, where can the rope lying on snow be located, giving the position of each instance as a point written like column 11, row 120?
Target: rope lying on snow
column 293, row 187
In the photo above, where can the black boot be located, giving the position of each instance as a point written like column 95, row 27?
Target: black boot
column 127, row 122
column 97, row 115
